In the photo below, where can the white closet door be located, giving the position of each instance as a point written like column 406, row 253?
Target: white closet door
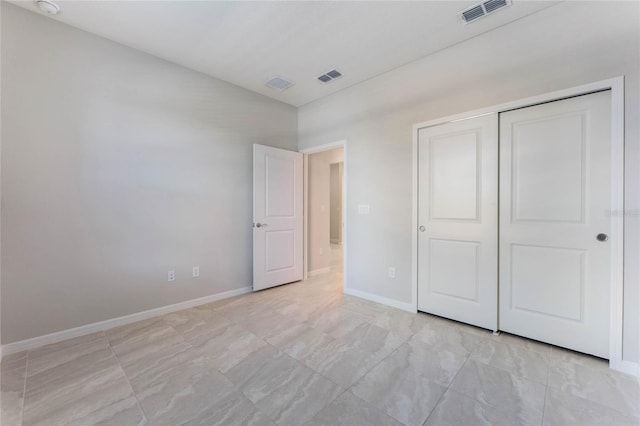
column 555, row 184
column 458, row 214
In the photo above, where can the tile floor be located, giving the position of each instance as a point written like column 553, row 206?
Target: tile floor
column 307, row 354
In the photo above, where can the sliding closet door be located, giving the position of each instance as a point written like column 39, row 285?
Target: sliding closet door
column 458, row 213
column 555, row 183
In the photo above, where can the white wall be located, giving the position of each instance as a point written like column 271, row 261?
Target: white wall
column 319, row 248
column 569, row 44
column 117, row 167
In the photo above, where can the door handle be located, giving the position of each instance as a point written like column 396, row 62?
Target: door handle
column 422, row 228
column 602, row 237
column 260, row 225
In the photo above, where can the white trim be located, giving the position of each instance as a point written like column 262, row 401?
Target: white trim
column 324, row 147
column 379, row 299
column 533, row 100
column 305, row 217
column 629, row 367
column 59, row 336
column 616, row 85
column 617, row 225
column 320, row 271
column 414, row 220
column 306, row 151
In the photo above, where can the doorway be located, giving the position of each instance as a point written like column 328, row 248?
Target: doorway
column 324, row 211
column 325, row 199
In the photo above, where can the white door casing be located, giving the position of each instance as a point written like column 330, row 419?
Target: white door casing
column 555, row 183
column 277, row 216
column 457, row 219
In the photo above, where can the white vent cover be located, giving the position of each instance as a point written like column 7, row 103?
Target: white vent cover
column 330, row 76
column 279, row 83
column 482, row 9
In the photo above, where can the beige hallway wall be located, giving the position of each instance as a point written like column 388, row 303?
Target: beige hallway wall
column 319, row 248
column 335, row 214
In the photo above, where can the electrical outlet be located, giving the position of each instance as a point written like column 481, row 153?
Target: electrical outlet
column 392, row 272
column 195, row 272
column 171, row 275
column 321, row 251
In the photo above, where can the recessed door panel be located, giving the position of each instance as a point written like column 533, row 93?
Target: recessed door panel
column 280, row 185
column 454, row 269
column 548, row 281
column 555, row 180
column 548, row 169
column 457, row 213
column 280, row 250
column 454, row 176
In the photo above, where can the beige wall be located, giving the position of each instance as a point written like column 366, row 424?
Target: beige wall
column 335, row 201
column 569, row 44
column 319, row 199
column 117, row 167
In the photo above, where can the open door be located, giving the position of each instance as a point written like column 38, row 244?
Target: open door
column 277, row 217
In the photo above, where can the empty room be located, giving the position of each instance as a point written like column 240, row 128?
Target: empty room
column 319, row 213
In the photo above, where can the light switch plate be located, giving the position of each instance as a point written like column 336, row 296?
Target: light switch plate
column 363, row 209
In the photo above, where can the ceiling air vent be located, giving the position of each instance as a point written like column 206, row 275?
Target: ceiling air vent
column 330, row 76
column 482, row 9
column 279, row 83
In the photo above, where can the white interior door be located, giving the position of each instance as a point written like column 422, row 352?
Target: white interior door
column 277, row 216
column 555, row 185
column 457, row 217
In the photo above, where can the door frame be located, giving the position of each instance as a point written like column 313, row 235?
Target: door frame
column 314, row 150
column 616, row 85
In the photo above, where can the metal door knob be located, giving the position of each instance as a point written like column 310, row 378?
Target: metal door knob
column 260, row 225
column 422, row 228
column 602, row 237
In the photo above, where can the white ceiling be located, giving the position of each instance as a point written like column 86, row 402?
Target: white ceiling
column 247, row 43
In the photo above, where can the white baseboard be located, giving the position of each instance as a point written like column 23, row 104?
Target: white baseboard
column 59, row 336
column 319, row 272
column 628, row 367
column 382, row 300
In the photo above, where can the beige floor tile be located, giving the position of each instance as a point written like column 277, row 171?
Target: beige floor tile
column 190, row 393
column 516, row 359
column 102, row 395
column 13, row 373
column 228, row 346
column 399, row 388
column 349, row 410
column 563, row 409
column 591, row 378
column 520, row 397
column 281, row 387
column 456, row 409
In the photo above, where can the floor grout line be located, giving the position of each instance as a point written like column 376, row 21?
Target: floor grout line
column 24, row 388
column 447, row 389
column 135, row 395
column 546, row 388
